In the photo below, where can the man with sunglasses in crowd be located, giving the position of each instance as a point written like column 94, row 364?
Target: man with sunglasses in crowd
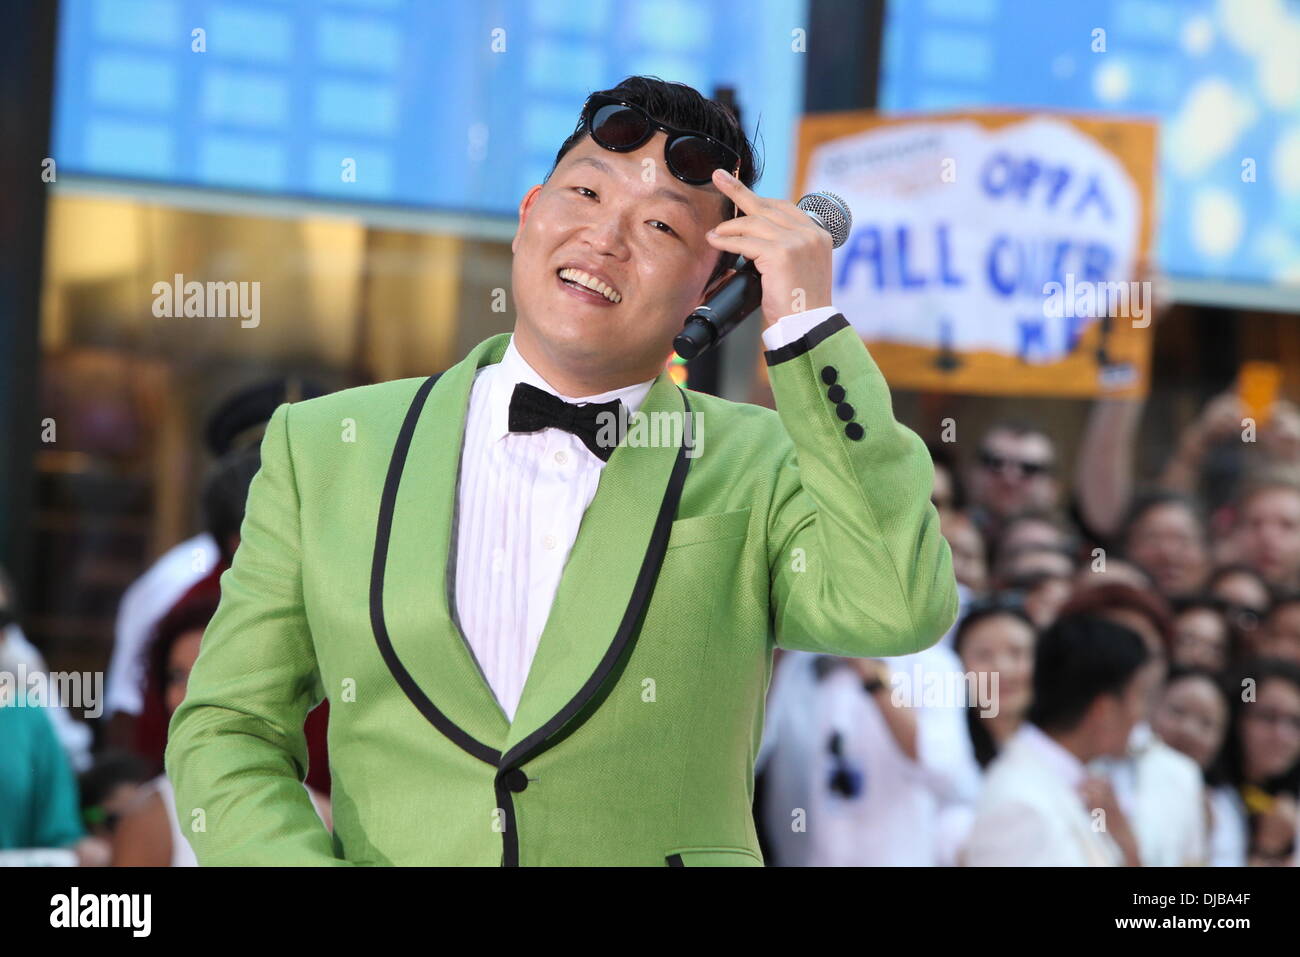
column 540, row 645
column 1013, row 473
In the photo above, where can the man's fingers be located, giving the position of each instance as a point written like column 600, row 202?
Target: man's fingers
column 751, row 227
column 759, row 207
column 749, row 247
column 736, row 191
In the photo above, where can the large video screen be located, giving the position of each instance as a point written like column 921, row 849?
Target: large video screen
column 1221, row 76
column 425, row 103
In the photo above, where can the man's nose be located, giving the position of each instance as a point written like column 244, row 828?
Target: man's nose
column 607, row 235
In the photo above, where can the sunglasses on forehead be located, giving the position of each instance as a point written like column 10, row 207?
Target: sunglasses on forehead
column 622, row 127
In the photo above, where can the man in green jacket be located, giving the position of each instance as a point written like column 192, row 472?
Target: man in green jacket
column 544, row 643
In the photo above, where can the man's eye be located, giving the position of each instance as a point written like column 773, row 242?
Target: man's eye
column 583, row 191
column 655, row 223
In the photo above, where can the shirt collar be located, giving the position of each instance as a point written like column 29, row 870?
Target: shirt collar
column 514, row 368
column 1065, row 765
column 1141, row 739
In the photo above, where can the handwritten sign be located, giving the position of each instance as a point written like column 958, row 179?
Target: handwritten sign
column 993, row 253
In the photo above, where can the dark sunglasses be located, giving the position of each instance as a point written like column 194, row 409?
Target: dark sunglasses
column 996, row 463
column 691, row 157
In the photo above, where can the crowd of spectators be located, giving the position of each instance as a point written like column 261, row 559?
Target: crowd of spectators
column 1122, row 685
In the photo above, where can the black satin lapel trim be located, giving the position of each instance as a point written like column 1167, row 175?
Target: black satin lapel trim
column 625, row 638
column 597, row 687
column 509, row 836
column 588, row 698
column 403, row 677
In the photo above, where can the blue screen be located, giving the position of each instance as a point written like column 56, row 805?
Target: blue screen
column 453, row 105
column 1222, row 78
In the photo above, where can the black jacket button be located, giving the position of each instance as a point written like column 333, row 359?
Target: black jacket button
column 844, row 411
column 516, row 780
column 835, row 393
column 829, row 375
column 854, row 431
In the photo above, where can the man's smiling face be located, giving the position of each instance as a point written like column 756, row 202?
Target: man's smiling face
column 624, row 221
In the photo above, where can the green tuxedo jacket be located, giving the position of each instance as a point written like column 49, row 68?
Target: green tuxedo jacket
column 809, row 527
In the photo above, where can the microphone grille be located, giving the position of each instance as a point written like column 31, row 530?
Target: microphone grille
column 832, row 212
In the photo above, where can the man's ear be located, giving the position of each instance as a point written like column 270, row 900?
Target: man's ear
column 525, row 206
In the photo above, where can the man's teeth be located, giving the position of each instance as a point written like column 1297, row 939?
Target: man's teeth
column 591, row 282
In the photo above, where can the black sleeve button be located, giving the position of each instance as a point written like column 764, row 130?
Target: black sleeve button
column 835, row 393
column 855, row 431
column 829, row 375
column 844, row 411
column 515, row 780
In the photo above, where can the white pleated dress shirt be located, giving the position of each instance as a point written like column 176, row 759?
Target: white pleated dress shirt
column 520, row 500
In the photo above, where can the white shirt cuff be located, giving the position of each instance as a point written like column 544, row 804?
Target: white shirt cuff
column 789, row 328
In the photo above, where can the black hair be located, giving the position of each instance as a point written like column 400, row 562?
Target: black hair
column 1157, row 498
column 1070, row 540
column 1228, row 571
column 192, row 612
column 1204, row 602
column 1018, row 428
column 942, row 458
column 1030, row 580
column 999, row 603
column 682, row 106
column 225, row 494
column 1079, row 659
column 986, row 749
column 1200, row 602
column 1280, row 600
column 1259, row 670
column 240, row 418
column 1239, row 642
column 1232, row 762
column 111, row 769
column 8, row 599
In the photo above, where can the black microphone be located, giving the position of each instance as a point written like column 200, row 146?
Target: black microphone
column 738, row 297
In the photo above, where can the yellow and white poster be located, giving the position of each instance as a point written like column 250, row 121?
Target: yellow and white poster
column 996, row 253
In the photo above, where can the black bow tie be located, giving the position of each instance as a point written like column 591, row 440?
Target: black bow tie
column 533, row 409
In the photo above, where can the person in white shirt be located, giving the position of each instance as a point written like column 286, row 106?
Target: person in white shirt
column 844, row 783
column 17, row 653
column 1040, row 806
column 783, row 766
column 1160, row 790
column 20, row 656
column 933, row 684
column 995, row 641
column 143, row 605
column 1192, row 718
column 918, row 776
